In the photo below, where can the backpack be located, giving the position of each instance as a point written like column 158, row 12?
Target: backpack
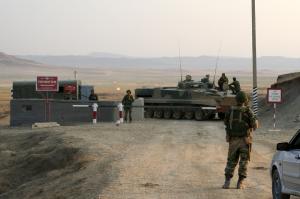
column 237, row 125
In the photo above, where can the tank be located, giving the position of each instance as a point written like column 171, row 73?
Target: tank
column 197, row 100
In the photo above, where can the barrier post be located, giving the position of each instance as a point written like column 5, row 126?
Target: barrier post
column 95, row 110
column 120, row 109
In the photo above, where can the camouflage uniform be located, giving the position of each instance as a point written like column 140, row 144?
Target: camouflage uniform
column 127, row 102
column 93, row 96
column 223, row 80
column 240, row 139
column 235, row 87
column 205, row 79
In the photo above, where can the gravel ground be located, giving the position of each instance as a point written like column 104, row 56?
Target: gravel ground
column 149, row 159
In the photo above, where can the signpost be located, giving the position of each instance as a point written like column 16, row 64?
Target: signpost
column 47, row 84
column 274, row 97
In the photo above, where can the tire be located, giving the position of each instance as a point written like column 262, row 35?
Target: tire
column 199, row 115
column 148, row 113
column 277, row 187
column 189, row 115
column 221, row 116
column 177, row 115
column 167, row 114
column 211, row 116
column 158, row 114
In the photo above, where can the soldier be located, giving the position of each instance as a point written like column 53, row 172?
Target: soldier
column 127, row 102
column 240, row 123
column 188, row 78
column 235, row 86
column 205, row 79
column 93, row 96
column 223, row 80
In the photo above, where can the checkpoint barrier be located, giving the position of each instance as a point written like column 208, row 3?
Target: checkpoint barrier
column 29, row 111
column 94, row 108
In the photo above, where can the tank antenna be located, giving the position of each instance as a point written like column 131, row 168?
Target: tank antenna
column 179, row 53
column 217, row 63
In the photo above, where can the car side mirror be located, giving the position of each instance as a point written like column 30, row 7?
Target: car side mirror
column 284, row 146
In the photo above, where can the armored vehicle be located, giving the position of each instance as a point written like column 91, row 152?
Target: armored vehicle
column 189, row 100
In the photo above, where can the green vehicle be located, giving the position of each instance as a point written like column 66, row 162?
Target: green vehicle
column 189, row 100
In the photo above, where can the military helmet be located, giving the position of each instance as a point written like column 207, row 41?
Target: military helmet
column 241, row 97
column 188, row 77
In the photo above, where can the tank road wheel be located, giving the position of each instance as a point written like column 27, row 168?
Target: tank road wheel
column 176, row 115
column 158, row 114
column 189, row 115
column 167, row 114
column 148, row 113
column 211, row 116
column 221, row 116
column 199, row 115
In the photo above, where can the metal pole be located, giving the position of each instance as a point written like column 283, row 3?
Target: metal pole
column 254, row 61
column 180, row 63
column 274, row 117
column 75, row 74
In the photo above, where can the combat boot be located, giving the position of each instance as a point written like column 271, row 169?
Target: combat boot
column 226, row 183
column 241, row 183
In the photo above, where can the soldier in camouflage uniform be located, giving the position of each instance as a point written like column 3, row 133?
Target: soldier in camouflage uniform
column 205, row 79
column 127, row 102
column 240, row 122
column 235, row 86
column 223, row 80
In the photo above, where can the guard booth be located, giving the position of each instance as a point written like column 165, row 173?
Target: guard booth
column 29, row 106
column 67, row 90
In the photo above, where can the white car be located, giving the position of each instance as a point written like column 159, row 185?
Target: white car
column 285, row 169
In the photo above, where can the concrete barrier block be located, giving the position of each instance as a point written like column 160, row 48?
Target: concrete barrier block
column 45, row 125
column 138, row 109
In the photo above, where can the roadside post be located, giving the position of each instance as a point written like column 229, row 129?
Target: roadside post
column 274, row 97
column 95, row 109
column 46, row 84
column 120, row 109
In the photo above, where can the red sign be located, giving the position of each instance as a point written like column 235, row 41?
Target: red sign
column 44, row 83
column 70, row 89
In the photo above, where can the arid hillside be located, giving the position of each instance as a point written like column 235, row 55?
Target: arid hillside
column 288, row 112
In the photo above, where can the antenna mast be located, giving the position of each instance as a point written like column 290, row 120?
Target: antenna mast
column 179, row 52
column 217, row 63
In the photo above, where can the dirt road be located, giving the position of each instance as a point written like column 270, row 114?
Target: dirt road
column 185, row 160
column 150, row 159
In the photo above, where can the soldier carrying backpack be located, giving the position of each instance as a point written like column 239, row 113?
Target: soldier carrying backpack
column 240, row 122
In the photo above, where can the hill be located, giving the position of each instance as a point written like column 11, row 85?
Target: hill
column 13, row 61
column 107, row 60
column 288, row 112
column 16, row 68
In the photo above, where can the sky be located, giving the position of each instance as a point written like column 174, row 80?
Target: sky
column 149, row 28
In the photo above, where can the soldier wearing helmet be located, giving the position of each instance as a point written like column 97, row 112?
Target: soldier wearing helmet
column 222, row 82
column 93, row 96
column 205, row 79
column 240, row 122
column 127, row 102
column 235, row 86
column 188, row 78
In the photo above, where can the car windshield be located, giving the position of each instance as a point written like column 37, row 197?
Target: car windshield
column 296, row 141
